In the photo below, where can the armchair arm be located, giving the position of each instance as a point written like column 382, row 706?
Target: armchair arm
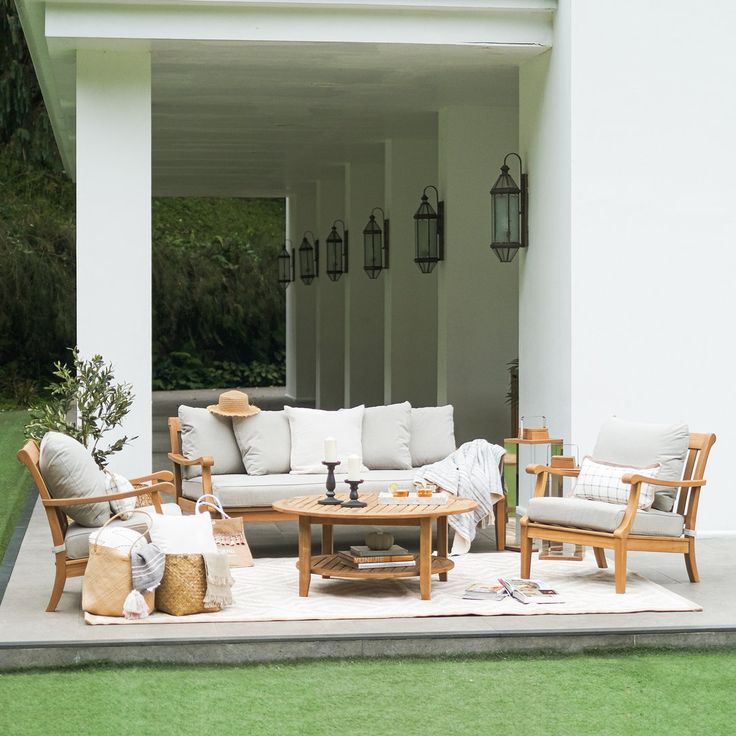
column 165, row 475
column 636, row 478
column 204, row 461
column 78, row 501
column 561, row 472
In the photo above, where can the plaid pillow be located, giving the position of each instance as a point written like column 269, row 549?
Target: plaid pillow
column 602, row 482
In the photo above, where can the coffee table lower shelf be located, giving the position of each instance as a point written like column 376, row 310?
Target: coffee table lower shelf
column 334, row 566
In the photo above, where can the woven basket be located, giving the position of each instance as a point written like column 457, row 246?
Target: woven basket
column 183, row 586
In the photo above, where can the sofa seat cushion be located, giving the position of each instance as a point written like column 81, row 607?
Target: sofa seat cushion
column 263, row 490
column 77, row 536
column 602, row 517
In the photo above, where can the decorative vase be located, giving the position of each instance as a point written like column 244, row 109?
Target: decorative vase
column 379, row 540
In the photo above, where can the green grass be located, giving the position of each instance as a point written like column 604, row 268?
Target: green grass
column 14, row 479
column 612, row 693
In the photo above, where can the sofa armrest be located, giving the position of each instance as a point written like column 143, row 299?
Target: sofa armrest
column 205, row 461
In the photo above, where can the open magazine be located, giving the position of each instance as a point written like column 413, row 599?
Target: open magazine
column 530, row 591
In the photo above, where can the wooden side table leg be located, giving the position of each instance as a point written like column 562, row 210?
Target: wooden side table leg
column 425, row 558
column 305, row 555
column 442, row 550
column 327, row 544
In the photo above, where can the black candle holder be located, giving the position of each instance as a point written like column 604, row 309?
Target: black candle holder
column 353, row 503
column 329, row 499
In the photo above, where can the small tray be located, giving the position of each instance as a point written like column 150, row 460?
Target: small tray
column 436, row 499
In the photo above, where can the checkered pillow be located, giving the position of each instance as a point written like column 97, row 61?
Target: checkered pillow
column 602, row 482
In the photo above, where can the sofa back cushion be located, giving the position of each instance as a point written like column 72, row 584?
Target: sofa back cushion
column 638, row 445
column 204, row 433
column 432, row 434
column 69, row 471
column 386, row 437
column 310, row 427
column 265, row 442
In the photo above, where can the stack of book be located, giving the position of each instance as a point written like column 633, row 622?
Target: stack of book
column 362, row 557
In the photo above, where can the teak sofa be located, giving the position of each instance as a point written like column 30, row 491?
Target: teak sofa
column 251, row 496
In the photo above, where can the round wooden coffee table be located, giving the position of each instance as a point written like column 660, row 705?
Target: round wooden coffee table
column 329, row 564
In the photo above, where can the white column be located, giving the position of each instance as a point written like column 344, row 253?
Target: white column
column 478, row 295
column 330, row 302
column 114, row 230
column 364, row 296
column 410, row 317
column 301, row 304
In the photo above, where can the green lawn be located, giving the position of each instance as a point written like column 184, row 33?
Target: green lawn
column 614, row 693
column 14, row 479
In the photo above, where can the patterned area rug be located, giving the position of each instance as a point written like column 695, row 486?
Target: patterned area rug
column 269, row 592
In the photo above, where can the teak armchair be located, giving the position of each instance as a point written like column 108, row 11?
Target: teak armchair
column 621, row 540
column 59, row 523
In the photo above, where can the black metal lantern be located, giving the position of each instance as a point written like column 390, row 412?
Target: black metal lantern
column 286, row 266
column 429, row 233
column 375, row 245
column 337, row 252
column 308, row 258
column 508, row 213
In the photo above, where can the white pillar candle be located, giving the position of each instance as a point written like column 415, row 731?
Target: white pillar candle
column 354, row 467
column 330, row 450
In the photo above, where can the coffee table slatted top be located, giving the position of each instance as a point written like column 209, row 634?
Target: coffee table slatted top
column 309, row 506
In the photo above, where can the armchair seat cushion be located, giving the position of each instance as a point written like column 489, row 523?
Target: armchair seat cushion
column 602, row 517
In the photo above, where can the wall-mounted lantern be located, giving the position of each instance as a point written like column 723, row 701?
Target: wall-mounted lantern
column 337, row 252
column 375, row 245
column 286, row 266
column 429, row 232
column 509, row 213
column 308, row 258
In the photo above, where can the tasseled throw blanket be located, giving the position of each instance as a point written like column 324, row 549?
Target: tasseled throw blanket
column 147, row 564
column 219, row 580
column 472, row 471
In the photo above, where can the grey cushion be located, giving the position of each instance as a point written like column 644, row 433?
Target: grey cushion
column 249, row 490
column 432, row 434
column 386, row 436
column 204, row 433
column 265, row 442
column 69, row 470
column 602, row 517
column 637, row 444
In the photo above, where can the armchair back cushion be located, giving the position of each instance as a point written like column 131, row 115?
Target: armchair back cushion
column 265, row 442
column 432, row 434
column 69, row 471
column 204, row 433
column 386, row 437
column 639, row 445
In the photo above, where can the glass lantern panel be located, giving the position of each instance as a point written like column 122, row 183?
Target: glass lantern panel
column 514, row 220
column 423, row 238
column 501, row 232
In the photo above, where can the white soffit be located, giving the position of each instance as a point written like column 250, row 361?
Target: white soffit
column 251, row 98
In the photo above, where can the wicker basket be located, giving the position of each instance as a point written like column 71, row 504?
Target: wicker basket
column 183, row 586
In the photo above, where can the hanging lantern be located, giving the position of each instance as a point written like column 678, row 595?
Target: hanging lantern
column 429, row 233
column 337, row 252
column 308, row 258
column 286, row 267
column 508, row 213
column 375, row 245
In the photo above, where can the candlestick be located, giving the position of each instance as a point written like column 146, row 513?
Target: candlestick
column 330, row 450
column 353, row 503
column 329, row 499
column 354, row 466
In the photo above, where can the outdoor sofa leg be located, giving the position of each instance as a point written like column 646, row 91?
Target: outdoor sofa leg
column 690, row 564
column 600, row 557
column 59, row 582
column 526, row 553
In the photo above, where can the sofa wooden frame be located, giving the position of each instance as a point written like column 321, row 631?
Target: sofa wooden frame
column 620, row 540
column 29, row 455
column 259, row 513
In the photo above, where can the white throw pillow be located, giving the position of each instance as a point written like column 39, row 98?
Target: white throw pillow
column 386, row 437
column 310, row 427
column 265, row 442
column 204, row 434
column 432, row 434
column 180, row 535
column 602, row 482
column 640, row 444
column 116, row 483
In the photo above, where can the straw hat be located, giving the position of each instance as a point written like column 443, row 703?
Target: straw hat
column 233, row 404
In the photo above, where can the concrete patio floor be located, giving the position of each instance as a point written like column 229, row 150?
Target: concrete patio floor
column 30, row 637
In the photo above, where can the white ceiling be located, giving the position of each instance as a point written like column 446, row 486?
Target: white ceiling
column 238, row 119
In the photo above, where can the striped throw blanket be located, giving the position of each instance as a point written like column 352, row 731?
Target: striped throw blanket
column 472, row 471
